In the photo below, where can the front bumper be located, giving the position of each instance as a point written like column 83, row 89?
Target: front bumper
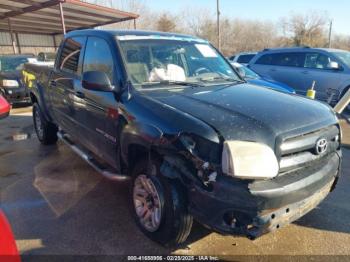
column 254, row 208
column 16, row 95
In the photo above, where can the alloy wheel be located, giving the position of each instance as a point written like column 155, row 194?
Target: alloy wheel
column 147, row 203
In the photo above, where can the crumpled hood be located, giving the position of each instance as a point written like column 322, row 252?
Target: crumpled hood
column 248, row 112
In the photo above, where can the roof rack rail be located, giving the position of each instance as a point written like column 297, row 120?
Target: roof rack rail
column 299, row 46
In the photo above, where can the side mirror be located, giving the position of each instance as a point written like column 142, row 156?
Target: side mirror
column 334, row 65
column 97, row 81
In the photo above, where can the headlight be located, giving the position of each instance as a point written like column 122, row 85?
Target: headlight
column 9, row 83
column 249, row 160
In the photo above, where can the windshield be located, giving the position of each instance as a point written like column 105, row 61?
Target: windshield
column 154, row 61
column 12, row 63
column 344, row 56
column 245, row 72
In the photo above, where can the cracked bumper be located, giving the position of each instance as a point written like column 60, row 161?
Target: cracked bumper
column 255, row 208
column 272, row 220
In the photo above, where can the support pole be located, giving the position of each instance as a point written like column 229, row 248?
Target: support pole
column 11, row 35
column 330, row 34
column 135, row 24
column 218, row 24
column 54, row 42
column 62, row 18
column 343, row 103
column 18, row 44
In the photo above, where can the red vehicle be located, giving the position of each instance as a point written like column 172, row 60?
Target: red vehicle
column 4, row 107
column 8, row 248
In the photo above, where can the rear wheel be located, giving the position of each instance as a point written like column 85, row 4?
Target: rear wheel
column 160, row 206
column 45, row 131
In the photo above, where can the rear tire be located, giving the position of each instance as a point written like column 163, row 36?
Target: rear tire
column 45, row 131
column 173, row 223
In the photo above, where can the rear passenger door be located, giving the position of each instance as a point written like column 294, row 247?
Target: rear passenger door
column 66, row 79
column 285, row 67
column 101, row 111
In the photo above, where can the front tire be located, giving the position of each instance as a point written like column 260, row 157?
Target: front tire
column 160, row 206
column 45, row 131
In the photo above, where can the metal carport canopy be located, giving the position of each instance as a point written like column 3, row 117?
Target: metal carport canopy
column 54, row 17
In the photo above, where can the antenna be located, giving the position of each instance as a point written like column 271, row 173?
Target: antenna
column 218, row 24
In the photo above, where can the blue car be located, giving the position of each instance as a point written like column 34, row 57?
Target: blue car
column 251, row 77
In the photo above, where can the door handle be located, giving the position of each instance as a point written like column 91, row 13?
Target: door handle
column 80, row 94
column 273, row 70
column 305, row 72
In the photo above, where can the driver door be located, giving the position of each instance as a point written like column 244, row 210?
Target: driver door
column 101, row 108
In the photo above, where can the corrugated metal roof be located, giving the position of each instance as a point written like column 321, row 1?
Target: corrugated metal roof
column 43, row 16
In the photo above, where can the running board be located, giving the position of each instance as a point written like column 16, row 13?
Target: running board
column 91, row 161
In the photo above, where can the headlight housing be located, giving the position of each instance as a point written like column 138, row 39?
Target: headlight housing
column 249, row 160
column 9, row 83
column 203, row 148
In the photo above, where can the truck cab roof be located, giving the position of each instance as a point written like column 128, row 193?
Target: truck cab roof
column 98, row 32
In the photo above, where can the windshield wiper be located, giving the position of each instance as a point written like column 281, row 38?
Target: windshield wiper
column 228, row 79
column 171, row 82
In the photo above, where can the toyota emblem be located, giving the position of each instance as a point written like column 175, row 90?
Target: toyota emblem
column 321, row 146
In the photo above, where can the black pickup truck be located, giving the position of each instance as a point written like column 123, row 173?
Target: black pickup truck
column 170, row 113
column 11, row 84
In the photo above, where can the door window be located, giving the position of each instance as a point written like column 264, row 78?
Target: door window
column 317, row 61
column 283, row 59
column 98, row 57
column 265, row 60
column 245, row 59
column 69, row 58
column 289, row 59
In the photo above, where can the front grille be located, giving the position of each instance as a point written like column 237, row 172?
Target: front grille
column 298, row 152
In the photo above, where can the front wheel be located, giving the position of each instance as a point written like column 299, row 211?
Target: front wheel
column 45, row 131
column 160, row 206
